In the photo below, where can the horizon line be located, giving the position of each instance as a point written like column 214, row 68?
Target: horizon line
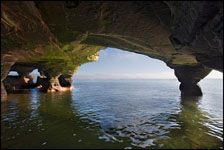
column 136, row 78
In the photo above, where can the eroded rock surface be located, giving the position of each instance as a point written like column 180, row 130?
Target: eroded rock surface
column 61, row 36
column 189, row 76
column 15, row 84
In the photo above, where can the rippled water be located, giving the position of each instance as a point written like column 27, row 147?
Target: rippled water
column 115, row 114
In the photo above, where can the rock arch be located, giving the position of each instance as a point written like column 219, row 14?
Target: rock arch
column 60, row 36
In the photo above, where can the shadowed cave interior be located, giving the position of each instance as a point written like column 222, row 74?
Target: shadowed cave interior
column 58, row 37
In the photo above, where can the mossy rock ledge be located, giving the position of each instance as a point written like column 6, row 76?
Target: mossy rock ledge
column 58, row 37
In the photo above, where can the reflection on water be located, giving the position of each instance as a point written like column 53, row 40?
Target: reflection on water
column 113, row 114
column 196, row 129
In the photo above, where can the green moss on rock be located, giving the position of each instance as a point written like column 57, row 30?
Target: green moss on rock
column 68, row 60
column 97, row 40
column 64, row 34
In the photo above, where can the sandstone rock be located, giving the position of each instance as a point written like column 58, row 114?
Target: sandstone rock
column 189, row 76
column 14, row 84
column 190, row 90
column 63, row 82
column 61, row 36
column 60, row 83
column 3, row 93
column 43, row 83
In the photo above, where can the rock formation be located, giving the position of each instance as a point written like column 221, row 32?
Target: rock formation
column 61, row 36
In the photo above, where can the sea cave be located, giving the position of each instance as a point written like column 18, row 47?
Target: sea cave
column 56, row 38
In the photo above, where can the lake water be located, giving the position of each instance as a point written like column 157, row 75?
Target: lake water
column 115, row 114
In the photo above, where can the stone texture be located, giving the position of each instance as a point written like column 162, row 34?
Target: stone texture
column 65, row 82
column 189, row 76
column 43, row 84
column 61, row 36
column 3, row 93
column 59, row 83
column 24, row 69
column 14, row 84
column 198, row 28
column 190, row 90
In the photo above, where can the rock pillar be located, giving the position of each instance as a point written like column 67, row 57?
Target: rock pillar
column 189, row 76
column 60, row 83
column 42, row 83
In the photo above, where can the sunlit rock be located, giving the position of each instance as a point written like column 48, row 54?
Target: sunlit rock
column 60, row 83
column 61, row 36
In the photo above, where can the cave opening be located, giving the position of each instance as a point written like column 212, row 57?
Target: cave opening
column 35, row 74
column 23, row 77
column 13, row 73
column 115, row 63
column 58, row 38
column 120, row 64
column 111, row 63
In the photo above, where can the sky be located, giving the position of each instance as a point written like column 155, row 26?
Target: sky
column 118, row 64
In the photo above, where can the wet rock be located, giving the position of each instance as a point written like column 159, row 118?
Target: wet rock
column 190, row 90
column 43, row 83
column 65, row 82
column 23, row 84
column 60, row 83
column 61, row 36
column 189, row 76
column 14, row 84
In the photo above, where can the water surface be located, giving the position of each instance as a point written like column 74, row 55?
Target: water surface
column 115, row 114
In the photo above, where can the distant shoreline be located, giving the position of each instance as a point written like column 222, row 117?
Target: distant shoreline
column 145, row 79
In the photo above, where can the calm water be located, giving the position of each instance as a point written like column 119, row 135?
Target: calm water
column 115, row 114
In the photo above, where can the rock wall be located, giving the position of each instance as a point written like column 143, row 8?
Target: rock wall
column 61, row 36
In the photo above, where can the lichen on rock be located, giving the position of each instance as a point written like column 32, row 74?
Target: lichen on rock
column 61, row 36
